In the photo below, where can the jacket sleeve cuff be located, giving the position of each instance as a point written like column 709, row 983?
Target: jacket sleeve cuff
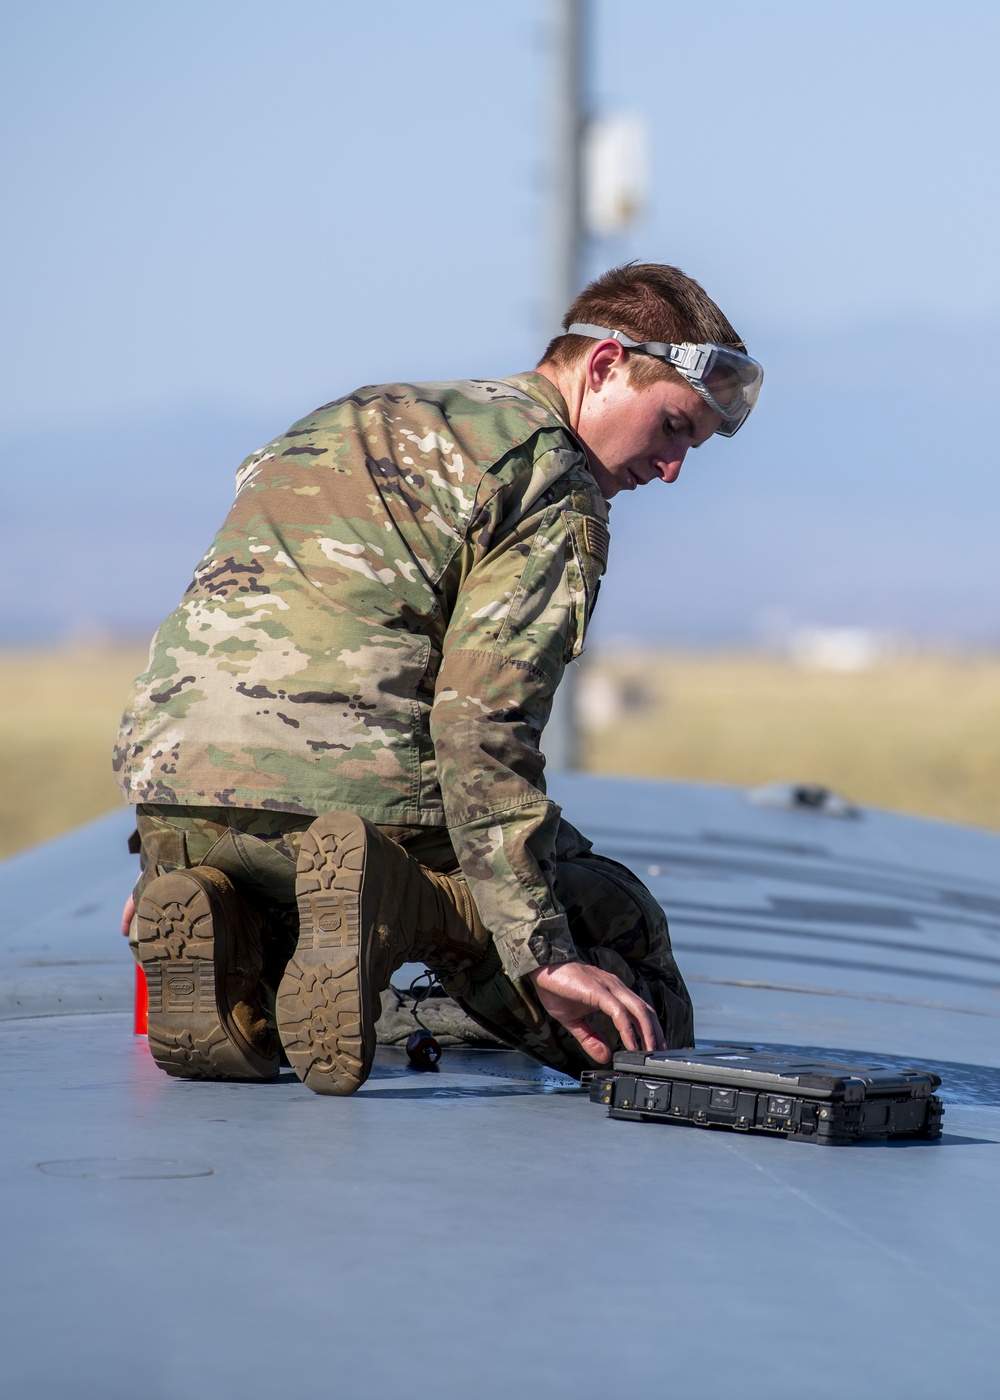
column 549, row 942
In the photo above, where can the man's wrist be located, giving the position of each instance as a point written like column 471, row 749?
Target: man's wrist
column 550, row 966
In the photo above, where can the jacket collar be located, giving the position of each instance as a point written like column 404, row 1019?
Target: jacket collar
column 543, row 391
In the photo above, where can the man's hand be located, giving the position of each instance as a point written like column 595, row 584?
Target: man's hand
column 569, row 992
column 128, row 914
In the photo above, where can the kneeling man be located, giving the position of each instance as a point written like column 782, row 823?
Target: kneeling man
column 334, row 751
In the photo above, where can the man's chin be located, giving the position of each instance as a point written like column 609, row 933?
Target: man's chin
column 612, row 482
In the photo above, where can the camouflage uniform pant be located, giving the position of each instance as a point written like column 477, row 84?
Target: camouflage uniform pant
column 615, row 922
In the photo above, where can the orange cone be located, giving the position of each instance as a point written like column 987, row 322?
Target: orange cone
column 141, row 1002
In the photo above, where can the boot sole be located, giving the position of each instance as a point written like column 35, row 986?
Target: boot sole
column 325, row 1005
column 183, row 949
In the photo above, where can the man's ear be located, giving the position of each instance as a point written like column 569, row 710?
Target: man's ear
column 606, row 356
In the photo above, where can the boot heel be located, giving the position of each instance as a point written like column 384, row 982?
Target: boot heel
column 183, row 947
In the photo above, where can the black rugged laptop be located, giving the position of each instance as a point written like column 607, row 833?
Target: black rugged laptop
column 736, row 1086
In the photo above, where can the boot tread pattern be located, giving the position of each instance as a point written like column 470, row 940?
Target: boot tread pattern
column 320, row 1003
column 189, row 1056
column 330, row 872
column 187, row 1037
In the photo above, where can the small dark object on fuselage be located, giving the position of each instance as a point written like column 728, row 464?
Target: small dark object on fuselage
column 423, row 1050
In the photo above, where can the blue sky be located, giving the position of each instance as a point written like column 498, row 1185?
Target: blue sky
column 220, row 214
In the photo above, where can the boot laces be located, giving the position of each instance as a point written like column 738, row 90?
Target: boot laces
column 432, row 987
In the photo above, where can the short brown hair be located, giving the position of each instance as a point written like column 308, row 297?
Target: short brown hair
column 648, row 301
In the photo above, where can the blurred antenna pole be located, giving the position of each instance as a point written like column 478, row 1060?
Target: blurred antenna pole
column 568, row 118
column 564, row 272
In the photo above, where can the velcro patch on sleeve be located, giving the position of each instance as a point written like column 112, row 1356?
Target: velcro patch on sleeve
column 597, row 538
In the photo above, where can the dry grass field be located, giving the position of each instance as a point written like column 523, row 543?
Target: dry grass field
column 920, row 734
column 59, row 712
column 917, row 733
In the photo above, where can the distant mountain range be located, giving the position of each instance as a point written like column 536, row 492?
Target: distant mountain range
column 864, row 492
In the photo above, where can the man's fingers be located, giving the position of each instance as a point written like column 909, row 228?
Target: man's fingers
column 570, row 991
column 635, row 1020
column 647, row 1022
column 592, row 1043
column 623, row 1021
column 128, row 913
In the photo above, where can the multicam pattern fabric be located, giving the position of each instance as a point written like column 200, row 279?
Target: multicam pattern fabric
column 380, row 625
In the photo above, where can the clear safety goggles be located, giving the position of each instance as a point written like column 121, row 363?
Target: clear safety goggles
column 726, row 379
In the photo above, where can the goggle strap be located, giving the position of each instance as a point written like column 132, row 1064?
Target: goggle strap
column 601, row 333
column 692, row 358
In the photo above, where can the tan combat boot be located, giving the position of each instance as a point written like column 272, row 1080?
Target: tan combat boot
column 365, row 907
column 199, row 946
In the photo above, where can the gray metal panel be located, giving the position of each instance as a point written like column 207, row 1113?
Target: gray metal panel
column 60, row 905
column 486, row 1231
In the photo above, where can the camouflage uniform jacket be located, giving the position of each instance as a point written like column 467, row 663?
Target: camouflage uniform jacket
column 380, row 625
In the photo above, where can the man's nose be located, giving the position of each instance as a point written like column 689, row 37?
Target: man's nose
column 670, row 467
